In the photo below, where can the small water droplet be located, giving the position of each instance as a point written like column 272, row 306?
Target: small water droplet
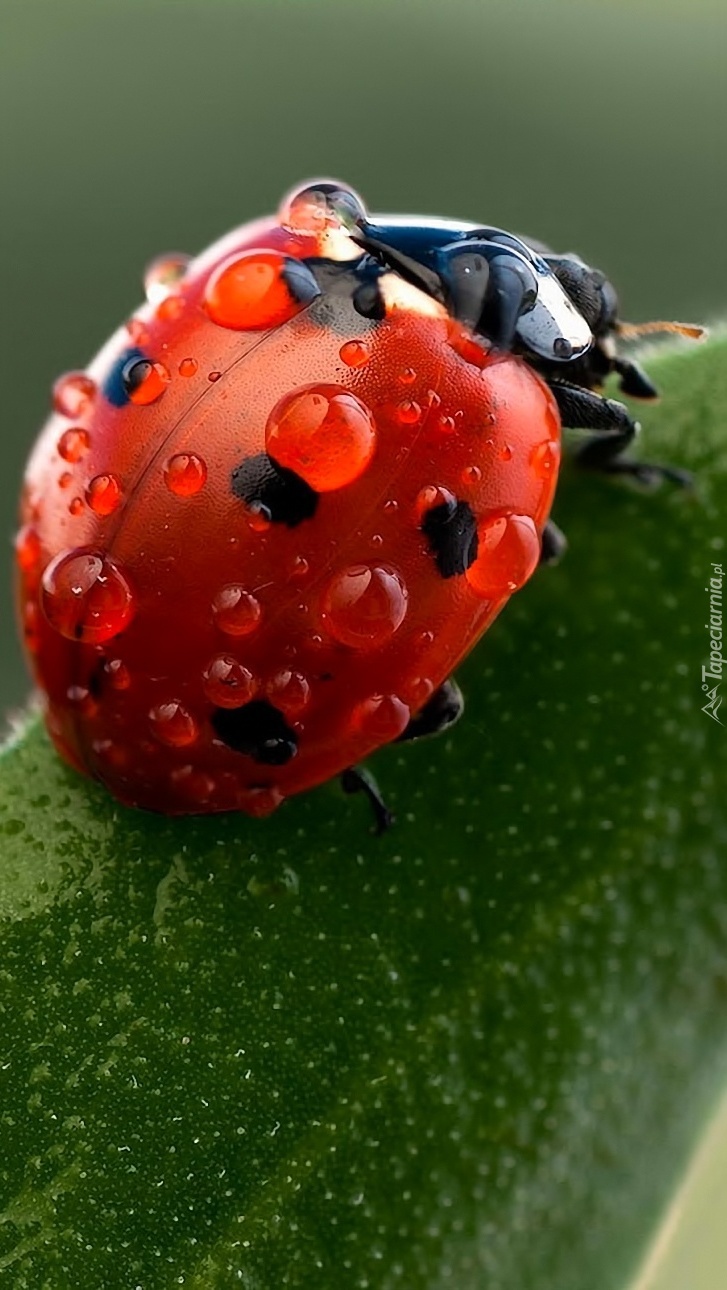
column 194, row 785
column 28, row 549
column 163, row 275
column 185, row 474
column 65, row 480
column 544, row 459
column 259, row 802
column 75, row 506
column 258, row 517
column 73, row 395
column 213, row 376
column 382, row 717
column 446, row 424
column 505, row 453
column 408, row 413
column 138, row 332
column 355, row 353
column 144, row 380
column 300, row 568
column 227, row 683
column 86, row 597
column 73, row 444
column 31, row 626
column 324, row 433
column 169, row 309
column 471, row 475
column 188, row 367
column 118, row 674
column 364, row 605
column 407, row 376
column 431, row 496
column 103, row 494
column 290, row 692
column 172, row 724
column 236, row 611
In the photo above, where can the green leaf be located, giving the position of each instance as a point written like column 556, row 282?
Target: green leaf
column 476, row 1052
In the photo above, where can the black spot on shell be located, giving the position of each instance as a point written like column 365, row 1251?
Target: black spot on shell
column 116, row 384
column 280, row 494
column 257, row 730
column 451, row 530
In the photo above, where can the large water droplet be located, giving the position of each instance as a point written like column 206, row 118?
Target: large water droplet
column 73, row 394
column 236, row 611
column 324, row 433
column 185, row 474
column 250, row 292
column 508, row 552
column 364, row 605
column 86, row 597
column 227, row 683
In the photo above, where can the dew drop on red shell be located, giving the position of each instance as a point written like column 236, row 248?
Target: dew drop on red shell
column 145, row 381
column 188, row 367
column 172, row 724
column 169, row 309
column 408, row 412
column 31, row 626
column 65, row 480
column 73, row 444
column 236, row 611
column 259, row 802
column 355, row 353
column 290, row 692
column 363, row 605
column 213, row 376
column 471, row 475
column 76, row 506
column 73, row 394
column 249, row 292
column 195, row 786
column 227, row 683
column 185, row 474
column 508, row 553
column 118, row 674
column 28, row 549
column 163, row 276
column 544, row 459
column 382, row 717
column 324, row 433
column 86, row 597
column 104, row 494
column 505, row 453
column 430, row 496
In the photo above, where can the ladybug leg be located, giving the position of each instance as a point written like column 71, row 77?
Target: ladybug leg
column 554, row 544
column 615, row 429
column 441, row 710
column 359, row 780
column 633, row 379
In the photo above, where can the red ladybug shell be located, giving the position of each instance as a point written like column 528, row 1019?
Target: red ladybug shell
column 264, row 527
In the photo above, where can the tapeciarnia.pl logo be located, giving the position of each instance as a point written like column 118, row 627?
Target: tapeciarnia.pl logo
column 713, row 671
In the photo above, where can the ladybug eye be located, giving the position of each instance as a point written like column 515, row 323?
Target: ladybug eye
column 318, row 207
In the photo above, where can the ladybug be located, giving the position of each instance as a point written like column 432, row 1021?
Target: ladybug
column 261, row 530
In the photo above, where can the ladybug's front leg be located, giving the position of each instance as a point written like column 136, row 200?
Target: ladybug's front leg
column 614, row 430
column 356, row 779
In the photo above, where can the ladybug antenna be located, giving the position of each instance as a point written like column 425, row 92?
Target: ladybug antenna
column 631, row 330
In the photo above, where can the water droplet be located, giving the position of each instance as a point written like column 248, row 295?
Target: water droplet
column 391, row 506
column 118, row 674
column 185, row 474
column 213, row 376
column 144, row 380
column 75, row 506
column 290, row 692
column 323, row 433
column 259, row 802
column 505, row 453
column 80, row 697
column 65, row 480
column 355, row 353
column 300, row 568
column 103, row 494
column 138, row 332
column 171, row 308
column 364, row 605
column 377, row 540
column 73, row 445
column 471, row 475
column 73, row 395
column 544, row 459
column 163, row 275
column 249, row 292
column 382, row 717
column 508, row 553
column 172, row 724
column 408, row 413
column 319, row 206
column 432, row 496
column 86, row 597
column 31, row 626
column 258, row 517
column 236, row 611
column 446, row 424
column 417, row 691
column 227, row 683
column 188, row 367
column 28, row 549
column 407, row 376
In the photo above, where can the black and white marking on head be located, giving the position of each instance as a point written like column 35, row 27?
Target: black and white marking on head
column 278, row 493
column 258, row 730
column 451, row 530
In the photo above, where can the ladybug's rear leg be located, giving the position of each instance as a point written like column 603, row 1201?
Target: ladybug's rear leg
column 359, row 780
column 441, row 710
column 614, row 430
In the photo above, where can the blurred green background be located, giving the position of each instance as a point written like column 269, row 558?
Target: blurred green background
column 129, row 127
column 134, row 126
